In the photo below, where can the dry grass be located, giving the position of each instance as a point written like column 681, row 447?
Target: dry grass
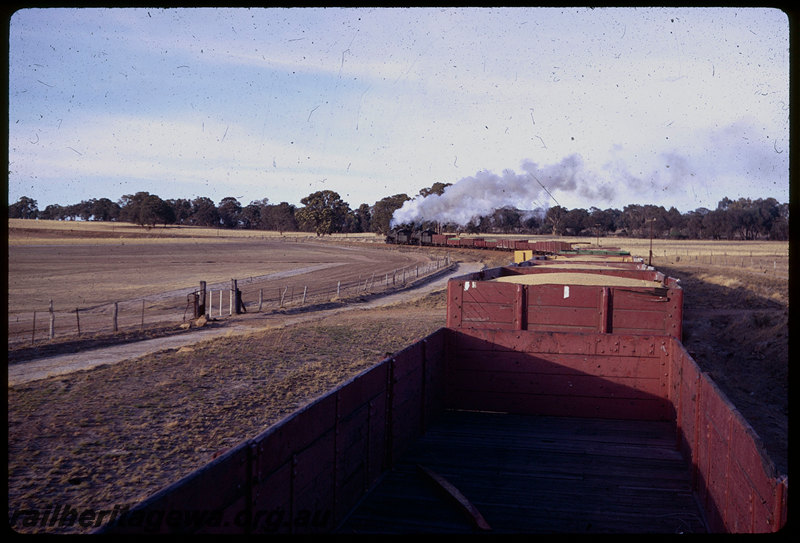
column 116, row 434
column 83, row 265
column 25, row 231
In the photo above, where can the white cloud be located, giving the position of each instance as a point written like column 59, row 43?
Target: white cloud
column 374, row 102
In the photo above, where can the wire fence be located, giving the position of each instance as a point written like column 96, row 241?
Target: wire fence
column 255, row 294
column 776, row 265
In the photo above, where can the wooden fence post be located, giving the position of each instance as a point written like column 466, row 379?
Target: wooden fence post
column 202, row 305
column 78, row 319
column 116, row 312
column 260, row 298
column 33, row 330
column 52, row 321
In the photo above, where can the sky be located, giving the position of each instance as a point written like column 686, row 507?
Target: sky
column 530, row 107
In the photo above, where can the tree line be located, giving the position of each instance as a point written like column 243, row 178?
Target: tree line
column 324, row 212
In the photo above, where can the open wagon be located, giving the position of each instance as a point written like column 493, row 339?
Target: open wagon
column 595, row 427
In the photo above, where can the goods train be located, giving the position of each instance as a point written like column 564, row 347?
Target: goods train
column 558, row 398
column 429, row 238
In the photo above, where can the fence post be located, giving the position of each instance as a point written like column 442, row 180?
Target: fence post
column 78, row 318
column 338, row 286
column 52, row 321
column 304, row 296
column 260, row 298
column 33, row 330
column 114, row 316
column 202, row 305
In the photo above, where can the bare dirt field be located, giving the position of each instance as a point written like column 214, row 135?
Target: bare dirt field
column 86, row 269
column 117, row 433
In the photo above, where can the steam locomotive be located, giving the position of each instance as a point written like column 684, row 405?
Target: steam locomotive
column 429, row 238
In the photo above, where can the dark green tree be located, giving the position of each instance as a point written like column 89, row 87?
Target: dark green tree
column 363, row 218
column 324, row 212
column 153, row 210
column 104, row 209
column 383, row 210
column 436, row 188
column 280, row 217
column 505, row 220
column 555, row 219
column 24, row 208
column 204, row 212
column 131, row 207
column 603, row 221
column 250, row 216
column 53, row 212
column 182, row 208
column 577, row 222
column 229, row 210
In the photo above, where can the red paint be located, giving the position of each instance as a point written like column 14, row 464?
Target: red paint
column 602, row 352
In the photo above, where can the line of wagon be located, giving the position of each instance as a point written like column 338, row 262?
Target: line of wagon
column 429, row 238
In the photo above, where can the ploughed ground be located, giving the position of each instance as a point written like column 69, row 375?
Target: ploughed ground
column 114, row 435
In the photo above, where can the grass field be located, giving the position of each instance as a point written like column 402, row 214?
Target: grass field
column 86, row 268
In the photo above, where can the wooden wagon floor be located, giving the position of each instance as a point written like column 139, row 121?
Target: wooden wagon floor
column 536, row 475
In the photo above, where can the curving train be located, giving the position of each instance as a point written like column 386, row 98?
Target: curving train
column 429, row 238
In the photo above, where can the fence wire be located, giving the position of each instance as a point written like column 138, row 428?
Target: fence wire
column 46, row 324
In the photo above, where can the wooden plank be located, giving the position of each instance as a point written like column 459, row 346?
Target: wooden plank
column 488, row 315
column 546, row 296
column 538, row 475
column 562, row 364
column 605, row 408
column 587, row 318
column 557, row 384
column 635, row 321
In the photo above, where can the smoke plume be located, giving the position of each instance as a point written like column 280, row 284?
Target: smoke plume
column 483, row 193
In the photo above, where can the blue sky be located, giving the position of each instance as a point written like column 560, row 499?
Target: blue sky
column 603, row 107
